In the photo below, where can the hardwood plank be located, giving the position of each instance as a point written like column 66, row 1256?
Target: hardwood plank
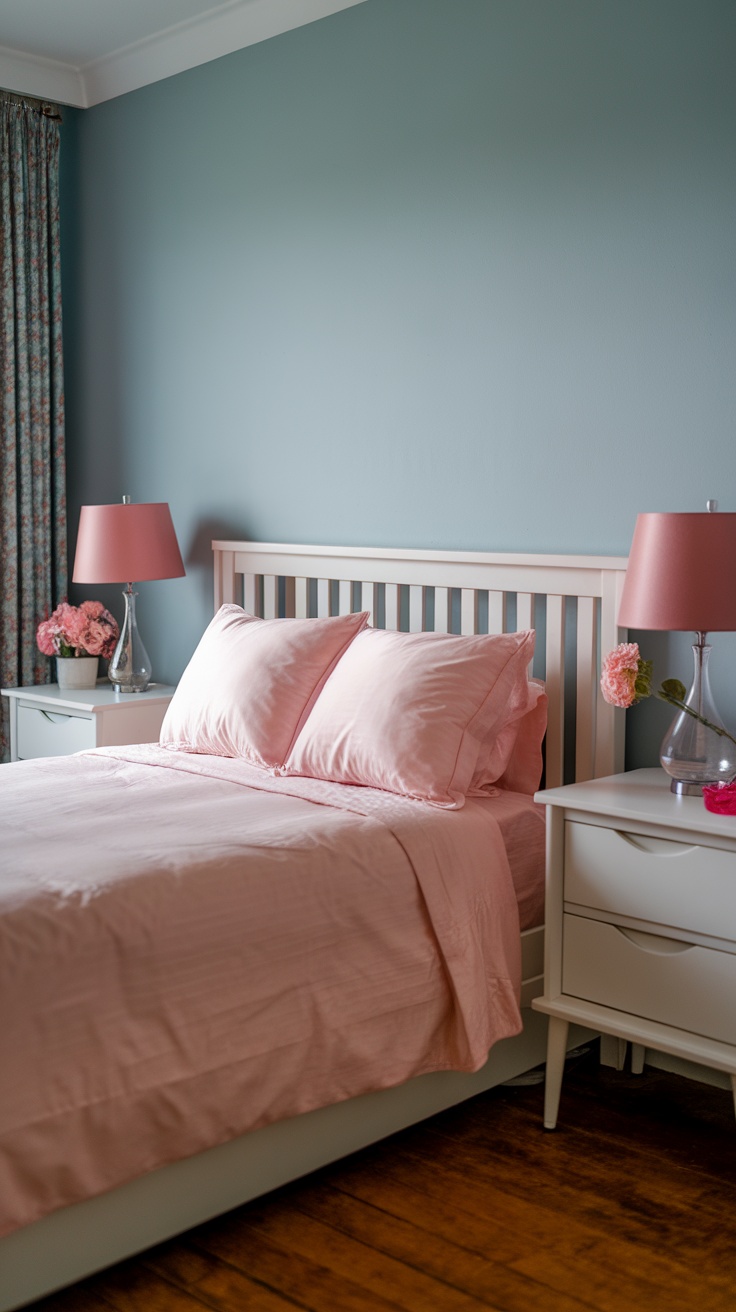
column 643, row 1278
column 349, row 1273
column 493, row 1222
column 409, row 1190
column 490, row 1282
column 132, row 1286
column 217, row 1283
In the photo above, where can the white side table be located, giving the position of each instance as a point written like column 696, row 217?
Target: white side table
column 641, row 923
column 53, row 721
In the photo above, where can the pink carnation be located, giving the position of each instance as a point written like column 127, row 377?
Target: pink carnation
column 99, row 637
column 73, row 624
column 47, row 638
column 618, row 679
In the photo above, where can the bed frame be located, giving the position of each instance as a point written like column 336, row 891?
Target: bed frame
column 572, row 601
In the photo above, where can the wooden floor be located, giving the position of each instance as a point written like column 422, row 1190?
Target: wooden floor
column 629, row 1205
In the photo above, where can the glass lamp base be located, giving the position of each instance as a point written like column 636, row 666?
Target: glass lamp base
column 129, row 687
column 695, row 753
column 683, row 789
column 130, row 667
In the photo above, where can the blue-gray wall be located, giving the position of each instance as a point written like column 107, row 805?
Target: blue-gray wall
column 442, row 273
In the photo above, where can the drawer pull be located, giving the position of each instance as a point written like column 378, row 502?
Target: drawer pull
column 54, row 717
column 662, row 947
column 655, row 846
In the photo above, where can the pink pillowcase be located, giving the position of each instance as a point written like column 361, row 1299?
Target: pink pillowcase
column 513, row 759
column 409, row 712
column 251, row 683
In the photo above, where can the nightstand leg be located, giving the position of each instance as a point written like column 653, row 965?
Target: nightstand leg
column 613, row 1051
column 637, row 1058
column 556, row 1052
column 733, row 1090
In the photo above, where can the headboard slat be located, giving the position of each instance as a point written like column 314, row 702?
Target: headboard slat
column 368, row 599
column 442, row 603
column 250, row 594
column 392, row 602
column 609, row 727
column 524, row 611
column 554, row 679
column 417, row 608
column 587, row 688
column 497, row 612
column 301, row 598
column 324, row 608
column 468, row 611
column 270, row 597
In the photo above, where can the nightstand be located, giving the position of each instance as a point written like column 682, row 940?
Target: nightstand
column 53, row 721
column 640, row 923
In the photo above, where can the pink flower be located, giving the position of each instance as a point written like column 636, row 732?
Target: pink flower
column 99, row 638
column 47, row 638
column 620, row 672
column 73, row 623
column 86, row 630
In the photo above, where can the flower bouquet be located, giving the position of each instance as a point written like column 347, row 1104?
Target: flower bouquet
column 86, row 630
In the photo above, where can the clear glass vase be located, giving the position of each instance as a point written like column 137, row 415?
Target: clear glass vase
column 130, row 667
column 694, row 753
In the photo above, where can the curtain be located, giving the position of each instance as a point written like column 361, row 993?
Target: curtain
column 33, row 549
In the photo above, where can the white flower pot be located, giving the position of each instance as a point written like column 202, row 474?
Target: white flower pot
column 76, row 671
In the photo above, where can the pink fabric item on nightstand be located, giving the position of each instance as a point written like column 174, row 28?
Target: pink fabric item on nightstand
column 720, row 798
column 251, row 683
column 409, row 712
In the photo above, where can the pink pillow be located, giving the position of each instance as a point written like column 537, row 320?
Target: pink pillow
column 408, row 712
column 251, row 683
column 513, row 759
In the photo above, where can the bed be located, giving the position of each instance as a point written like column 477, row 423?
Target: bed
column 449, row 965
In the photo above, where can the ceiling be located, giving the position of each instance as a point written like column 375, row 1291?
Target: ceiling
column 81, row 52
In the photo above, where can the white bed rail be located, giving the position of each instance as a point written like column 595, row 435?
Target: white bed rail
column 571, row 600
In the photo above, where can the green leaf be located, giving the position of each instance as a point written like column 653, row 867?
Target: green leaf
column 673, row 691
column 643, row 681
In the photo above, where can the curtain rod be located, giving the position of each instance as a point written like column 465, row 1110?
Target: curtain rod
column 43, row 107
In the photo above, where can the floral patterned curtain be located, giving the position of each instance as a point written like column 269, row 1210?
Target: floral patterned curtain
column 33, row 553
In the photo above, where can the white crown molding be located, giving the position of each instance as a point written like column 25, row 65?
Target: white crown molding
column 229, row 27
column 45, row 79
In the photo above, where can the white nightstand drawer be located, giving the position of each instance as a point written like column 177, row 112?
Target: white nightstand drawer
column 666, row 980
column 661, row 880
column 52, row 733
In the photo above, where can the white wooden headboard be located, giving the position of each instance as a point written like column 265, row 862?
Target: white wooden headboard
column 571, row 600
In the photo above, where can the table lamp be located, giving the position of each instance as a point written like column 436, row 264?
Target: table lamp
column 682, row 575
column 118, row 544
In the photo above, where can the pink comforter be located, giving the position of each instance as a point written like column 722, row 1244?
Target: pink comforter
column 190, row 948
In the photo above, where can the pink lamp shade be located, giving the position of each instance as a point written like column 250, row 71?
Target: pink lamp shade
column 126, row 543
column 681, row 573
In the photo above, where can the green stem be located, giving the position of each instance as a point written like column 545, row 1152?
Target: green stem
column 673, row 701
